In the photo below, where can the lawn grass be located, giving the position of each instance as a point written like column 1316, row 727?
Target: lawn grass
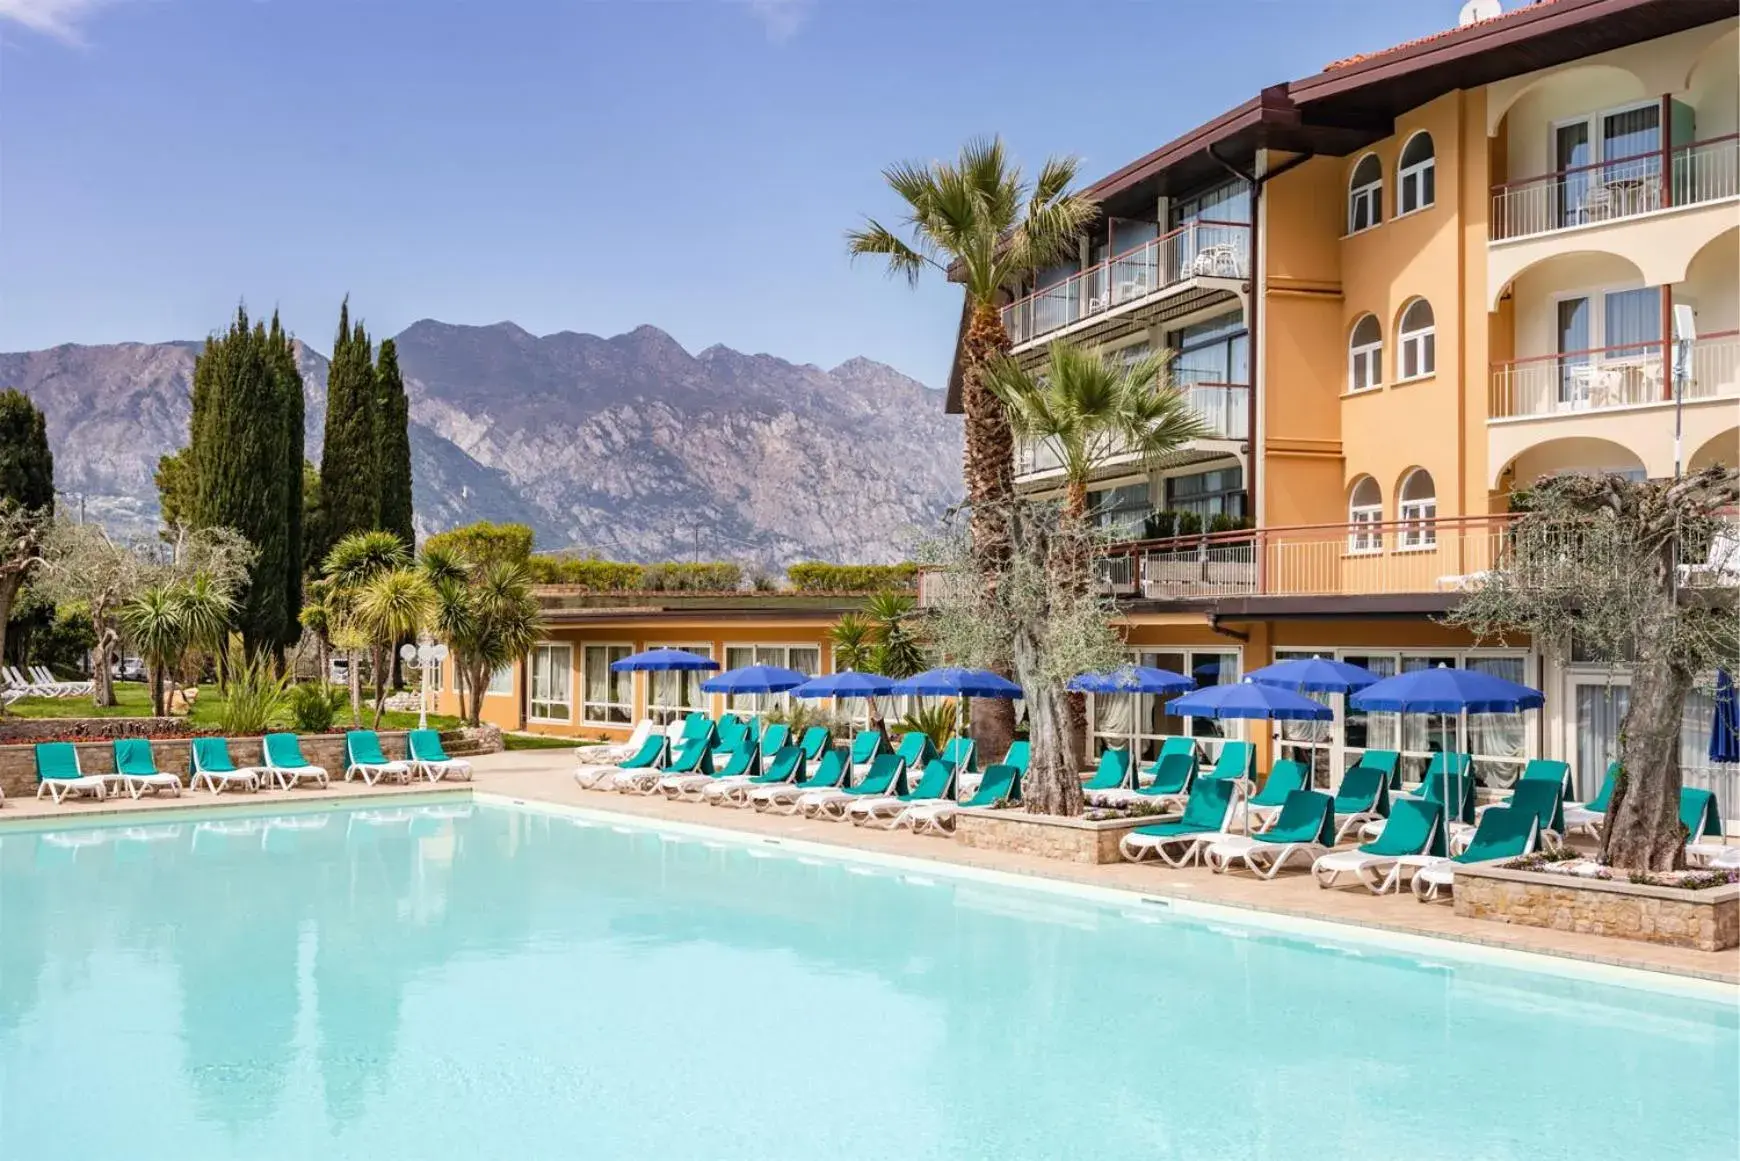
column 536, row 742
column 134, row 701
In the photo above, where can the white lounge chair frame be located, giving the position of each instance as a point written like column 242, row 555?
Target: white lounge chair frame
column 60, row 789
column 1265, row 859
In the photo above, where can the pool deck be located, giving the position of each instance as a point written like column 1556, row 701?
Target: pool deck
column 545, row 776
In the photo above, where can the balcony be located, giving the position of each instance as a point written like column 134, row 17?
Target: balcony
column 1554, row 412
column 1224, row 407
column 1610, row 191
column 1151, row 273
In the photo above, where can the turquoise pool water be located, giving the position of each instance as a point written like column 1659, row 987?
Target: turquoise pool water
column 480, row 982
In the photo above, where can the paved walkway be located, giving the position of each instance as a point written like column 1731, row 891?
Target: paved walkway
column 545, row 776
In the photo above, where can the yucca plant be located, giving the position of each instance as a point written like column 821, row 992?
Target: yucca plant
column 314, row 706
column 255, row 697
column 153, row 622
column 391, row 607
column 937, row 722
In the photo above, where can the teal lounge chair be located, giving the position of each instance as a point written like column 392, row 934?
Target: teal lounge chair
column 1306, row 826
column 814, row 741
column 731, row 734
column 1388, row 761
column 1236, row 760
column 430, row 757
column 915, row 750
column 1001, row 783
column 1548, row 770
column 1506, row 833
column 887, row 776
column 287, row 765
column 136, row 768
column 1285, row 776
column 961, row 754
column 1543, row 795
column 1168, row 789
column 830, row 773
column 1020, row 755
column 213, row 766
column 1113, row 772
column 1364, row 796
column 693, row 754
column 937, row 784
column 1414, row 829
column 365, row 759
column 58, row 774
column 865, row 746
column 774, row 737
column 732, row 788
column 1185, row 746
column 1206, row 817
column 1461, row 793
column 596, row 775
column 1591, row 815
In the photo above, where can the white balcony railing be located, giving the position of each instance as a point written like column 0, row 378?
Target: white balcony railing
column 1610, row 377
column 1624, row 187
column 1200, row 249
column 1224, row 407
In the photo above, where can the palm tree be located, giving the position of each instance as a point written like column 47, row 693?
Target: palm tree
column 1089, row 408
column 154, row 623
column 352, row 563
column 853, row 646
column 977, row 218
column 390, row 607
column 895, row 649
column 486, row 614
column 206, row 610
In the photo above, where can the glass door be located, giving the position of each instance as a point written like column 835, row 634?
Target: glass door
column 1598, row 704
column 1575, row 337
column 1572, row 149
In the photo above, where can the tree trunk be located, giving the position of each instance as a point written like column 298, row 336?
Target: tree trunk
column 1051, row 784
column 157, row 708
column 353, row 675
column 1643, row 831
column 1077, row 560
column 990, row 480
column 378, row 662
column 103, row 689
column 9, row 586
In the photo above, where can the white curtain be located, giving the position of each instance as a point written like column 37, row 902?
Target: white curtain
column 1498, row 736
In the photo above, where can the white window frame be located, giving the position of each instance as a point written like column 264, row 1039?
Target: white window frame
column 550, row 649
column 656, row 709
column 1369, row 356
column 588, row 705
column 756, row 704
column 1422, row 343
column 1363, row 541
column 1371, row 194
column 1417, row 174
column 1418, row 518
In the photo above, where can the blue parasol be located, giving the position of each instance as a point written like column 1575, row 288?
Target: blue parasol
column 951, row 681
column 1314, row 674
column 754, row 679
column 663, row 660
column 1132, row 679
column 846, row 683
column 1247, row 699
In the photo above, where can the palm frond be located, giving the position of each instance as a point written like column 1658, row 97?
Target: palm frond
column 904, row 259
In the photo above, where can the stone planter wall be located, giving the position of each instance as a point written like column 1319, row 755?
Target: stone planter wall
column 175, row 756
column 1708, row 919
column 14, row 729
column 1074, row 840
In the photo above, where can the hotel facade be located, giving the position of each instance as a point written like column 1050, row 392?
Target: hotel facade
column 1398, row 291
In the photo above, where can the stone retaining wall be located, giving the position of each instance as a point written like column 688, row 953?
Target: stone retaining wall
column 1074, row 840
column 1707, row 919
column 174, row 756
column 14, row 729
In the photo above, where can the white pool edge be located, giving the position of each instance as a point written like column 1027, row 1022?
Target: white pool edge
column 1427, row 947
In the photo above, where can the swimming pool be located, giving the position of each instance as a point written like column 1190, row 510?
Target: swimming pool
column 458, row 980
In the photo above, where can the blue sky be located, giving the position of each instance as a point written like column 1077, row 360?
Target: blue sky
column 569, row 164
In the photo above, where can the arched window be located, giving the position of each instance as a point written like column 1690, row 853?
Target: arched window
column 1417, row 510
column 1416, row 175
column 1416, row 342
column 1365, row 355
column 1365, row 511
column 1365, row 195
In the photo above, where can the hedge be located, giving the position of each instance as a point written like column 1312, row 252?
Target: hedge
column 815, row 576
column 610, row 576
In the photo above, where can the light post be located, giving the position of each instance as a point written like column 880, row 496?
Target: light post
column 422, row 658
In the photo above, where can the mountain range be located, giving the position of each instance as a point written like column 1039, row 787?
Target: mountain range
column 627, row 446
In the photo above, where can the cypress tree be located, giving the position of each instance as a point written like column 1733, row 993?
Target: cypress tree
column 290, row 468
column 393, row 446
column 240, row 427
column 350, row 491
column 26, row 491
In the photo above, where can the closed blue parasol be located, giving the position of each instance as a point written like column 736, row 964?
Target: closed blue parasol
column 1247, row 699
column 754, row 679
column 951, row 681
column 663, row 660
column 1725, row 730
column 1315, row 674
column 847, row 683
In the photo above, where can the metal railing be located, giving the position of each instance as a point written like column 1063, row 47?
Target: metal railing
column 1450, row 555
column 1199, row 249
column 1224, row 407
column 1624, row 187
column 1620, row 376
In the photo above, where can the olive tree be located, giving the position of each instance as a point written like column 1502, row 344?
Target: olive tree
column 1037, row 621
column 1639, row 573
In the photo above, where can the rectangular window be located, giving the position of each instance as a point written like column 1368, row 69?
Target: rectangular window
column 805, row 659
column 607, row 696
column 1363, row 535
column 1115, row 718
column 1121, row 512
column 550, row 700
column 1418, row 187
column 1365, row 208
column 1229, row 202
column 1208, row 494
column 1419, row 523
column 501, row 682
column 1419, row 354
column 676, row 693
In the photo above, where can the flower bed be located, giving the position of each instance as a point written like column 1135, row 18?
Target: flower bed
column 1699, row 909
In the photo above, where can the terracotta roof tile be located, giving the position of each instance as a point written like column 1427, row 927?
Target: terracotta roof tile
column 1362, row 57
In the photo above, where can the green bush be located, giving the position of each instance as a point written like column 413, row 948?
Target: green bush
column 254, row 698
column 706, row 577
column 1189, row 524
column 598, row 575
column 815, row 576
column 1227, row 522
column 315, row 706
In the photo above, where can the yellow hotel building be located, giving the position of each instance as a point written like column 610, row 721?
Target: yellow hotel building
column 1397, row 290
